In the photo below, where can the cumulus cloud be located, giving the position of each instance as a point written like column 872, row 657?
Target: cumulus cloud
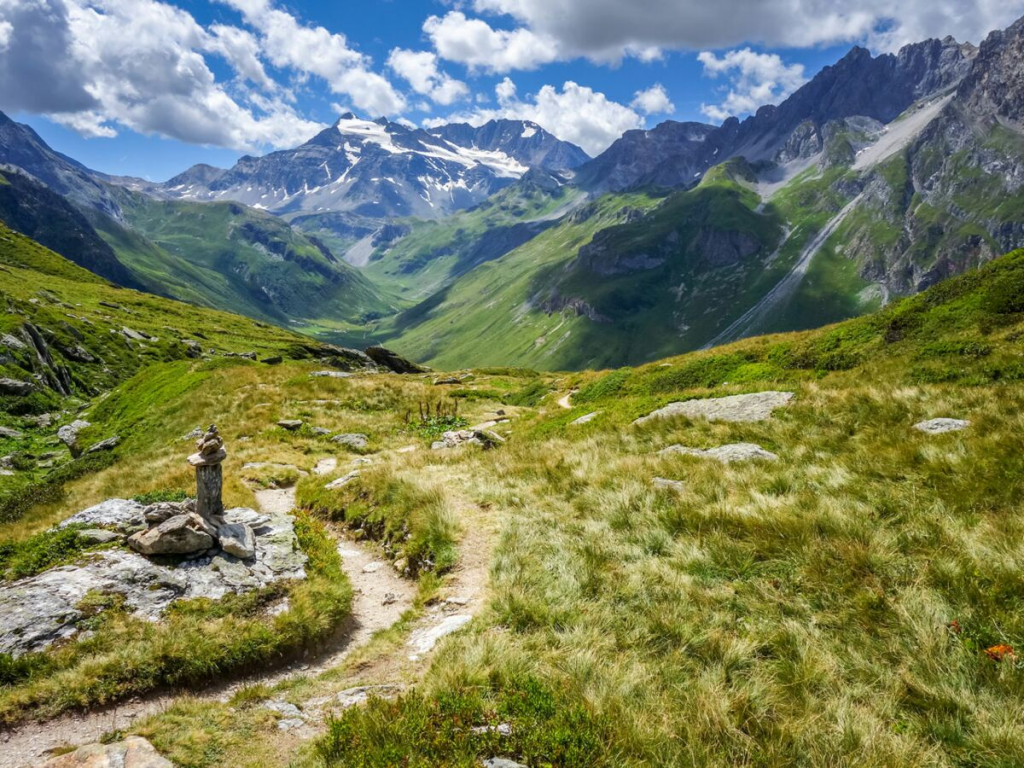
column 420, row 70
column 101, row 65
column 653, row 101
column 474, row 43
column 755, row 79
column 575, row 113
column 610, row 28
column 317, row 51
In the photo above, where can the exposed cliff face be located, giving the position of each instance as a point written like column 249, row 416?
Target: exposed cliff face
column 955, row 198
column 859, row 85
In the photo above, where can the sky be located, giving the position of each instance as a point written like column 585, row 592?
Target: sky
column 149, row 87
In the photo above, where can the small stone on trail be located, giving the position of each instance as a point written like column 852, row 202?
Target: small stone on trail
column 351, row 697
column 389, row 599
column 371, row 567
column 941, row 426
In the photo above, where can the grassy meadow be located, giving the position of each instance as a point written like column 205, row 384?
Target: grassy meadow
column 856, row 602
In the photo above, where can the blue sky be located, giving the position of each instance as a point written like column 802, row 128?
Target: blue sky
column 149, row 87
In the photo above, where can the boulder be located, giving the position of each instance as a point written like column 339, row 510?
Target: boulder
column 353, row 440
column 133, row 752
column 941, row 426
column 727, row 454
column 393, row 361
column 179, row 535
column 237, row 539
column 290, row 424
column 68, row 434
column 16, row 387
column 757, row 406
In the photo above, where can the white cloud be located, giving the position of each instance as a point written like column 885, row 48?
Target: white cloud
column 6, row 28
column 474, row 43
column 420, row 70
column 242, row 51
column 653, row 101
column 317, row 51
column 613, row 28
column 576, row 113
column 755, row 79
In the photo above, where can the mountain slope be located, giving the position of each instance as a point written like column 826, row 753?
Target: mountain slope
column 35, row 211
column 248, row 262
column 379, row 169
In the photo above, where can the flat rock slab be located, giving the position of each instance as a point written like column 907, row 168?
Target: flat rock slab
column 42, row 609
column 586, row 419
column 423, row 640
column 122, row 514
column 757, row 406
column 133, row 752
column 727, row 454
column 352, row 697
column 941, row 426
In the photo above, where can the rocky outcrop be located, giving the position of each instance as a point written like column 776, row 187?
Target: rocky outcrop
column 68, row 434
column 392, row 361
column 37, row 611
column 133, row 752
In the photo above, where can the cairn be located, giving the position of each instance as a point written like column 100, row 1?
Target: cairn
column 209, row 475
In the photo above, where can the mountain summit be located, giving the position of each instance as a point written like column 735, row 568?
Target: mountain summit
column 379, row 168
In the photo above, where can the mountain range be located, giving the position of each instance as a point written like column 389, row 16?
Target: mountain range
column 501, row 244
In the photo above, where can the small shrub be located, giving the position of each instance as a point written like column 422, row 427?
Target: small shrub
column 529, row 396
column 40, row 552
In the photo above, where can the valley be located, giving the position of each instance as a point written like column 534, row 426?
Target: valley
column 449, row 442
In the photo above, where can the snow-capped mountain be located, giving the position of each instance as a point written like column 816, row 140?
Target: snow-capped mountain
column 380, row 169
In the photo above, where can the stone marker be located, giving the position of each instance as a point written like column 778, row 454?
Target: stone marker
column 209, row 475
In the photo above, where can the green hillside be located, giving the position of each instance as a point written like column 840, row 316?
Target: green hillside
column 241, row 260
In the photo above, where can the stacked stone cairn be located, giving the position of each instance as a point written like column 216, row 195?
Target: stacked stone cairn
column 195, row 527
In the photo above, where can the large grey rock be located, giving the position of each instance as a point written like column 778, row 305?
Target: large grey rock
column 68, row 434
column 941, row 426
column 757, row 406
column 353, row 440
column 42, row 609
column 727, row 454
column 122, row 514
column 237, row 539
column 179, row 535
column 459, row 437
column 133, row 752
column 15, row 387
column 157, row 513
